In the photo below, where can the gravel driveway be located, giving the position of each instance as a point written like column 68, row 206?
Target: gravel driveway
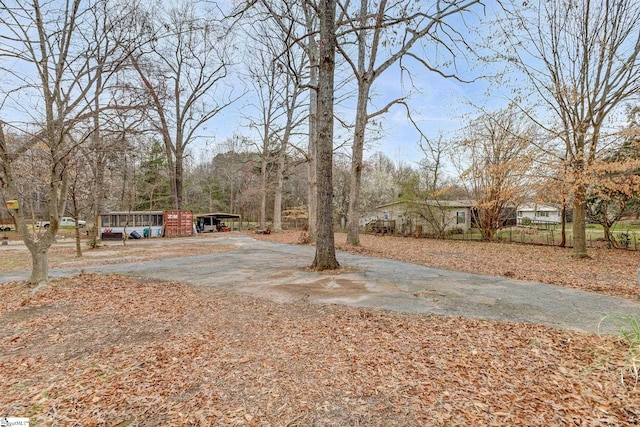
column 279, row 272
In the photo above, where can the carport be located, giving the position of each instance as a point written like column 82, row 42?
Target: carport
column 217, row 221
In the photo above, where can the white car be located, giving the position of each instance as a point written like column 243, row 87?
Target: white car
column 66, row 221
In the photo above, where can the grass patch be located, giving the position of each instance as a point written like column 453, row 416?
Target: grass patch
column 628, row 327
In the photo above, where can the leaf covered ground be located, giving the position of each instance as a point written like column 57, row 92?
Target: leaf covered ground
column 112, row 351
column 606, row 271
column 115, row 351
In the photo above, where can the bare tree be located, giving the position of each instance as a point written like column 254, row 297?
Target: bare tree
column 230, row 169
column 264, row 78
column 277, row 73
column 496, row 155
column 386, row 32
column 299, row 21
column 183, row 71
column 292, row 98
column 582, row 60
column 113, row 113
column 53, row 55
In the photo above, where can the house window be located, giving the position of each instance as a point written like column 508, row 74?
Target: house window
column 519, row 214
column 542, row 213
column 461, row 217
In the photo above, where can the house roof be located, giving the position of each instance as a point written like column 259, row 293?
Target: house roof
column 538, row 208
column 220, row 215
column 440, row 203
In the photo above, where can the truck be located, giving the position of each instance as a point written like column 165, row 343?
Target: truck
column 66, row 221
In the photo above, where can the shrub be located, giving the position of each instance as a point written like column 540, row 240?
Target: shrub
column 624, row 239
column 304, row 238
column 526, row 221
column 455, row 230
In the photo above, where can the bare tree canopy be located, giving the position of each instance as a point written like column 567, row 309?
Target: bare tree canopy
column 182, row 70
column 385, row 33
column 581, row 59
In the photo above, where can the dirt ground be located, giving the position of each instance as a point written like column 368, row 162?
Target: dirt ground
column 115, row 351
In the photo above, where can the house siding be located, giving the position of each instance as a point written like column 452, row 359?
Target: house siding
column 410, row 217
column 539, row 214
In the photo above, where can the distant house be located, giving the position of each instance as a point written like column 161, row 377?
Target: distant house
column 539, row 214
column 430, row 216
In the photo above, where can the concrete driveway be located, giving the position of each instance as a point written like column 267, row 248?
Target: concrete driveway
column 280, row 272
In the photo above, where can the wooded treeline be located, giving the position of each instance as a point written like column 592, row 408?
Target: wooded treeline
column 110, row 105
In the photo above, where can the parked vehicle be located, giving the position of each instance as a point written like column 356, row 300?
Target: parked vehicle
column 6, row 224
column 66, row 221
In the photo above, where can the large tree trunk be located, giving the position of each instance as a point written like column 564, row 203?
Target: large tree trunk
column 325, row 258
column 563, row 222
column 39, row 255
column 179, row 177
column 40, row 268
column 353, row 214
column 277, row 196
column 579, row 225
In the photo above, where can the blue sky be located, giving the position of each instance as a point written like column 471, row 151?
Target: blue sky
column 439, row 108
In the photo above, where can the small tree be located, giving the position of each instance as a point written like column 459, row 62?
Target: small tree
column 614, row 194
column 496, row 156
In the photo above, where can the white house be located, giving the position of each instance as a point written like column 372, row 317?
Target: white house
column 539, row 214
column 431, row 216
